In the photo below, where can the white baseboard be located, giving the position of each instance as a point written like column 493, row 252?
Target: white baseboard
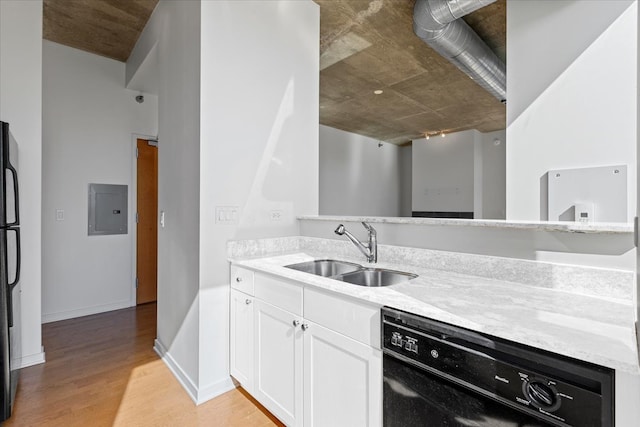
column 177, row 371
column 214, row 390
column 197, row 395
column 86, row 311
column 30, row 360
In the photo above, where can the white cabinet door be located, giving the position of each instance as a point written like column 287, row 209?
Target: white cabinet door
column 241, row 333
column 278, row 362
column 342, row 380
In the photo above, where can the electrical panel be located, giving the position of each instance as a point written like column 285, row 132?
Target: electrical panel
column 108, row 207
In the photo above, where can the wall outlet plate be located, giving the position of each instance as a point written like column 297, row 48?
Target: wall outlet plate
column 227, row 215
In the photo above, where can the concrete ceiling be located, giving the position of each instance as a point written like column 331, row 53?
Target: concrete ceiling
column 105, row 27
column 376, row 49
column 365, row 46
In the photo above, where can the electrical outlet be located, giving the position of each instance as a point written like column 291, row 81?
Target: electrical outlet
column 276, row 215
column 227, row 214
column 59, row 215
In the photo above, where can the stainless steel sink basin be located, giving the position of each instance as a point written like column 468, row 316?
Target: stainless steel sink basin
column 375, row 277
column 325, row 267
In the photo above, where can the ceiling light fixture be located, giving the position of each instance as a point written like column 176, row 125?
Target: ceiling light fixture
column 426, row 135
column 442, row 134
column 378, row 92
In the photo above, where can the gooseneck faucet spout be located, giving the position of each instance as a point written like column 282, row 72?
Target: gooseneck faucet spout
column 370, row 249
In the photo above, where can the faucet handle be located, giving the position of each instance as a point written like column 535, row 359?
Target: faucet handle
column 369, row 228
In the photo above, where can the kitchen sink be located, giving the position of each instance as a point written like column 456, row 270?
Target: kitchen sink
column 325, row 267
column 355, row 274
column 375, row 277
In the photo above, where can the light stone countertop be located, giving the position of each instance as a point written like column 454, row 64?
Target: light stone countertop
column 594, row 329
column 561, row 226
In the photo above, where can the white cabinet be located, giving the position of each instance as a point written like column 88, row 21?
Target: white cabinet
column 241, row 335
column 342, row 380
column 315, row 356
column 278, row 362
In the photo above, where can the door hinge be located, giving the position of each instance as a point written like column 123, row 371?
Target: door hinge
column 136, row 152
column 137, row 218
column 136, row 283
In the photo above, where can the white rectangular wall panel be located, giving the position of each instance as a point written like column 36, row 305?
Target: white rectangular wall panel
column 600, row 193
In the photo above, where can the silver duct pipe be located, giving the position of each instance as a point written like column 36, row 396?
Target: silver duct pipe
column 437, row 23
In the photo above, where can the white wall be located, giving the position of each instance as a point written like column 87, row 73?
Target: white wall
column 259, row 143
column 234, row 130
column 88, row 122
column 571, row 106
column 493, row 190
column 357, row 177
column 443, row 173
column 21, row 107
column 174, row 30
column 406, row 172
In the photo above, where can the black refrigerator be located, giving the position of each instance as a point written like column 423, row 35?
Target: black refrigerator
column 10, row 331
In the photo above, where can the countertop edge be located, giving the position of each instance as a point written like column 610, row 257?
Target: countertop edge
column 434, row 312
column 543, row 226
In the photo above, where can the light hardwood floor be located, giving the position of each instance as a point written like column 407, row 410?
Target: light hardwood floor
column 101, row 370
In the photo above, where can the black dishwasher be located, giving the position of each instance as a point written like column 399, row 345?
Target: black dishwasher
column 436, row 374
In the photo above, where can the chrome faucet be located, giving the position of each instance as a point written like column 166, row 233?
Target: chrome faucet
column 370, row 250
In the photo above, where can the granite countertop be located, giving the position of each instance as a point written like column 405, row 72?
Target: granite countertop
column 595, row 329
column 563, row 226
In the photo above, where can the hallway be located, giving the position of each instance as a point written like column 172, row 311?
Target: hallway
column 101, row 370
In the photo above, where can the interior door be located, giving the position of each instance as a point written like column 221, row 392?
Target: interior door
column 147, row 222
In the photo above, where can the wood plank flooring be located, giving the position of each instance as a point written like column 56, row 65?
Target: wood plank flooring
column 101, row 370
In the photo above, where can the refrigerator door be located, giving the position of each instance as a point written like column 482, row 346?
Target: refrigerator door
column 13, row 268
column 6, row 400
column 10, row 318
column 9, row 204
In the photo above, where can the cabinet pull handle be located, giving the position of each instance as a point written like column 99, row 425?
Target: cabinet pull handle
column 247, row 301
column 238, row 279
column 304, row 326
column 296, row 323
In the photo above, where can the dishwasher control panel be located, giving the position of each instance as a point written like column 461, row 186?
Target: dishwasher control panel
column 562, row 391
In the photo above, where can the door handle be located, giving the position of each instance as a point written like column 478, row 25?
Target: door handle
column 18, row 258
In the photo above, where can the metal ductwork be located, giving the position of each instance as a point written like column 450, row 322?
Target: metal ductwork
column 438, row 23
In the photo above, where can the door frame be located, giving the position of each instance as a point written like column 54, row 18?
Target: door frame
column 133, row 202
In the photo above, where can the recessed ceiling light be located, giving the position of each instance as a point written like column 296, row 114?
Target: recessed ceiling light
column 377, row 92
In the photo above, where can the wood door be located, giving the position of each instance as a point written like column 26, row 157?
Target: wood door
column 147, row 226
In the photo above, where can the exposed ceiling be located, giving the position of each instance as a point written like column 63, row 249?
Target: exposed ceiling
column 105, row 27
column 365, row 46
column 422, row 92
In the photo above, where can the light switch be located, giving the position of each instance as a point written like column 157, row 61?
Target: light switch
column 227, row 214
column 59, row 215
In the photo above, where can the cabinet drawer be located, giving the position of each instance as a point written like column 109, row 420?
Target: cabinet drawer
column 282, row 294
column 340, row 314
column 242, row 279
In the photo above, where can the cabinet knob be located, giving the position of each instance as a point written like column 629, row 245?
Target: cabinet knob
column 238, row 279
column 247, row 301
column 296, row 323
column 305, row 326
